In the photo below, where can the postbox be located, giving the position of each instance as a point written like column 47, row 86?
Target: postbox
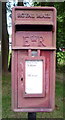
column 33, row 59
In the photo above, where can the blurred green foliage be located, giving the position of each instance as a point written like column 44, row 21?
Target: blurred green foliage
column 61, row 57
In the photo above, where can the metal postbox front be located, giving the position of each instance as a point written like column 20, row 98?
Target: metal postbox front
column 33, row 59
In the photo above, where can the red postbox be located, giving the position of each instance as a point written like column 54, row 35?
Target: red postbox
column 33, row 59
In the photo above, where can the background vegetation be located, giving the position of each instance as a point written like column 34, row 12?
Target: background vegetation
column 60, row 59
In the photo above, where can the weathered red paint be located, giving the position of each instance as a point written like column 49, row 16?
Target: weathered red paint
column 33, row 29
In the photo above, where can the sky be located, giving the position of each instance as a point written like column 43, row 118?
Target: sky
column 9, row 19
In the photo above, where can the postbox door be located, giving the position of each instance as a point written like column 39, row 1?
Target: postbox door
column 24, row 100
